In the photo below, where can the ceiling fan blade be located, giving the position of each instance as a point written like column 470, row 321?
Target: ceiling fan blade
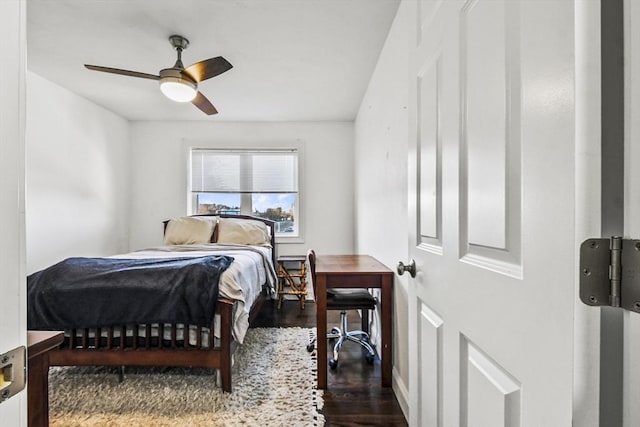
column 208, row 68
column 122, row 72
column 204, row 104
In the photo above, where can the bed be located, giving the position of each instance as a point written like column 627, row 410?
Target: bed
column 111, row 331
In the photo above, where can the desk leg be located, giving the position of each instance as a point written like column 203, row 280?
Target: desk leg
column 321, row 326
column 387, row 327
column 38, row 391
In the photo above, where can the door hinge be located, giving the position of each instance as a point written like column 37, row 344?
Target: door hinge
column 610, row 272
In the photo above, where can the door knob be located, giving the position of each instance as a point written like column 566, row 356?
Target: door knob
column 411, row 268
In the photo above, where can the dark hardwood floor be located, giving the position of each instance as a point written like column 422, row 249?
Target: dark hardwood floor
column 354, row 396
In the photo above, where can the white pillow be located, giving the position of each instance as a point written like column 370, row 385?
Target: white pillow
column 189, row 230
column 243, row 232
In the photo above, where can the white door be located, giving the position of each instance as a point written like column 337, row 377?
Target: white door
column 12, row 280
column 503, row 159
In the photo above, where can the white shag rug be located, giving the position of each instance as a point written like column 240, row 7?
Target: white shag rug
column 274, row 384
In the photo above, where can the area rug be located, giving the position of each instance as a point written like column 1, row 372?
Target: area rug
column 274, row 384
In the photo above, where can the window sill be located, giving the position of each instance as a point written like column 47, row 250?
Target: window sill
column 287, row 240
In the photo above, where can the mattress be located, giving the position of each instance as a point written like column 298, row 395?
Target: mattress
column 251, row 272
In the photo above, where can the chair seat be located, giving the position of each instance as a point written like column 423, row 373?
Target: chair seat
column 348, row 298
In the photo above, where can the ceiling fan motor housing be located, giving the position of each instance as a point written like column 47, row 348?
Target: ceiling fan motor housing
column 176, row 74
column 175, row 85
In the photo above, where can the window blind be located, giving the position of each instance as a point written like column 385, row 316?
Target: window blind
column 244, row 171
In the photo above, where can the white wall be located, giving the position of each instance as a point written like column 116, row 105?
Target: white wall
column 160, row 170
column 381, row 134
column 77, row 175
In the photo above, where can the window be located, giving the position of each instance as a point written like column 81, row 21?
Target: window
column 261, row 182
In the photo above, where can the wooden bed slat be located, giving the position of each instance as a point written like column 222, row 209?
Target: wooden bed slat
column 134, row 337
column 186, row 336
column 147, row 336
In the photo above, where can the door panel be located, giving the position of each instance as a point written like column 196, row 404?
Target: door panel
column 430, row 355
column 490, row 166
column 493, row 394
column 429, row 137
column 430, row 152
column 483, row 70
column 492, row 132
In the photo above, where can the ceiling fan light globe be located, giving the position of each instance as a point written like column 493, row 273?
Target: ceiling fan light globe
column 178, row 90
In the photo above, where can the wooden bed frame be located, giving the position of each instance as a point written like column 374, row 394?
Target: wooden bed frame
column 80, row 348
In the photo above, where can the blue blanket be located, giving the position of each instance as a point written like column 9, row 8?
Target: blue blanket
column 93, row 292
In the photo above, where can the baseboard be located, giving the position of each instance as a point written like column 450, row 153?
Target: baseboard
column 401, row 392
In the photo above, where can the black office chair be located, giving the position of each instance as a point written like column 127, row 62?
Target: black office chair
column 344, row 299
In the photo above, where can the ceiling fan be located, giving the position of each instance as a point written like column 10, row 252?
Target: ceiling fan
column 178, row 83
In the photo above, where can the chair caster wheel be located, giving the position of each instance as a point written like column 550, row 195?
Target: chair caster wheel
column 333, row 364
column 310, row 347
column 335, row 330
column 370, row 358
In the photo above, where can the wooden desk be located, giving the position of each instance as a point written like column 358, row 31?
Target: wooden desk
column 39, row 343
column 353, row 271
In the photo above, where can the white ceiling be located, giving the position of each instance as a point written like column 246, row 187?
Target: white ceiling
column 293, row 59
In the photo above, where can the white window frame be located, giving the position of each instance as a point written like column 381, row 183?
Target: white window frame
column 298, row 145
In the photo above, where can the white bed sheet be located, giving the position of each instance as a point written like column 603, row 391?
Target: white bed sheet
column 242, row 282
